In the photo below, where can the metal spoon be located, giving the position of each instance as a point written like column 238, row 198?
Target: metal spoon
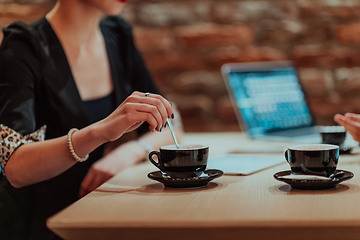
column 307, row 171
column 172, row 132
column 337, row 175
column 333, row 176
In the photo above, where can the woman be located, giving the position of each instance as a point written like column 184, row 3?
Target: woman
column 351, row 122
column 70, row 70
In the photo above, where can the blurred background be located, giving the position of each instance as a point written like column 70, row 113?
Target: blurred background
column 184, row 44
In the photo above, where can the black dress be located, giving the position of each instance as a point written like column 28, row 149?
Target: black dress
column 36, row 89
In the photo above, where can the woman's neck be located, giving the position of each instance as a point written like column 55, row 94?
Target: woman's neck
column 75, row 22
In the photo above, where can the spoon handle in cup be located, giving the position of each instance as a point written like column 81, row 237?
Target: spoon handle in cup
column 172, row 132
column 305, row 170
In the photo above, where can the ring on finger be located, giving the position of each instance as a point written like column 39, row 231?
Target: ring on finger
column 147, row 94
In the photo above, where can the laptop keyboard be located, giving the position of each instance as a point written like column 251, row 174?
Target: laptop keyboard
column 278, row 102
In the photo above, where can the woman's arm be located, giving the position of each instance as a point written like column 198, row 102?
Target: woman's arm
column 39, row 161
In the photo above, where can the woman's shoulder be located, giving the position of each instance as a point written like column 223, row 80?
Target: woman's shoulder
column 22, row 30
column 16, row 32
column 19, row 36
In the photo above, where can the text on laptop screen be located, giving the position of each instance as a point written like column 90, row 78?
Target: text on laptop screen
column 270, row 100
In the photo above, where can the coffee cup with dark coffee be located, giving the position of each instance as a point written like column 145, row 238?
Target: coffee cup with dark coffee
column 187, row 161
column 335, row 135
column 315, row 159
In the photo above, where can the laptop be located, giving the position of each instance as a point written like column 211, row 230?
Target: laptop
column 269, row 101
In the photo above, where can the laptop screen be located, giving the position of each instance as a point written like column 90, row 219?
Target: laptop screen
column 268, row 99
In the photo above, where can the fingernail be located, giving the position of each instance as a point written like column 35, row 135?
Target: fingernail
column 165, row 125
column 172, row 116
column 160, row 129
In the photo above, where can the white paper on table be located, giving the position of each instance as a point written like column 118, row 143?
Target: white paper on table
column 245, row 164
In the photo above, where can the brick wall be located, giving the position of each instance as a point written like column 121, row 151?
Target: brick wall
column 184, row 43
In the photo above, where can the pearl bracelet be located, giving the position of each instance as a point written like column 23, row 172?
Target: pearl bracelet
column 71, row 148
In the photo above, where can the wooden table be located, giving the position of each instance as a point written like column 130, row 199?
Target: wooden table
column 131, row 206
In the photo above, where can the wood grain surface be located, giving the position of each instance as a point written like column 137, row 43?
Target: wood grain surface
column 132, row 206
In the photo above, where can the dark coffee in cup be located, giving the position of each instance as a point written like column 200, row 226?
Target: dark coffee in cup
column 317, row 159
column 184, row 162
column 333, row 135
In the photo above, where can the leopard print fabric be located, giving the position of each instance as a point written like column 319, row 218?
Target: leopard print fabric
column 10, row 140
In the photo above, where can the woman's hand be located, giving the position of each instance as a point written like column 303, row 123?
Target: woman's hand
column 351, row 122
column 136, row 109
column 122, row 157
